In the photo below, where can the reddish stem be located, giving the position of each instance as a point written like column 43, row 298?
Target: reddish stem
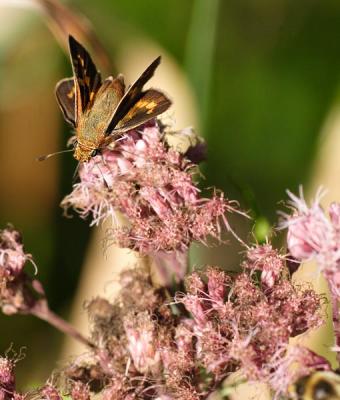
column 43, row 312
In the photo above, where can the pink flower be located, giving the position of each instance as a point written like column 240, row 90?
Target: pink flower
column 12, row 255
column 142, row 342
column 314, row 235
column 238, row 322
column 310, row 232
column 154, row 187
column 217, row 285
column 18, row 291
column 267, row 260
column 117, row 390
column 14, row 292
column 292, row 363
column 80, row 391
column 49, row 392
column 7, row 378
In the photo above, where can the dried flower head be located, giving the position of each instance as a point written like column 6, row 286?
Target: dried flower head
column 7, row 377
column 16, row 287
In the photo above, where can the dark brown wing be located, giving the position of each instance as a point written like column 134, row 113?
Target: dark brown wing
column 132, row 96
column 86, row 77
column 151, row 104
column 65, row 93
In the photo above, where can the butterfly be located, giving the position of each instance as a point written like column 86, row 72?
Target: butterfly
column 101, row 111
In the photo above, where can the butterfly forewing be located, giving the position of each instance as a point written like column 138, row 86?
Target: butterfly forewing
column 151, row 103
column 87, row 78
column 65, row 93
column 131, row 97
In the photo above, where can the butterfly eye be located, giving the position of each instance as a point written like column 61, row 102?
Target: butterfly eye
column 94, row 153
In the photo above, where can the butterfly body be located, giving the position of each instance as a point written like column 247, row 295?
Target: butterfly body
column 101, row 112
column 92, row 125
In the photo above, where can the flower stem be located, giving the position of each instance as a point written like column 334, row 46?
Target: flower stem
column 59, row 323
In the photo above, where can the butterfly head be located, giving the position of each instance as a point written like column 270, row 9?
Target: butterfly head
column 84, row 153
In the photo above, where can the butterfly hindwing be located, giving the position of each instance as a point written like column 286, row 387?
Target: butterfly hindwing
column 87, row 79
column 131, row 97
column 151, row 103
column 65, row 93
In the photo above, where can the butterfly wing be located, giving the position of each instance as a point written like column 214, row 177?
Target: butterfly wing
column 138, row 106
column 87, row 79
column 151, row 104
column 65, row 93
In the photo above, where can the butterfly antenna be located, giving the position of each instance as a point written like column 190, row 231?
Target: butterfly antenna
column 104, row 180
column 75, row 173
column 106, row 163
column 45, row 157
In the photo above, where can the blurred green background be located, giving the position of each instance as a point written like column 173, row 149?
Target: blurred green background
column 264, row 76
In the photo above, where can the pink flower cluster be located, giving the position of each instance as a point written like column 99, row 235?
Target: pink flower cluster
column 314, row 235
column 7, row 378
column 76, row 389
column 247, row 320
column 148, row 347
column 153, row 187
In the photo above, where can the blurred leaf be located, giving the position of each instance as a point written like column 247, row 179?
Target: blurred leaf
column 200, row 52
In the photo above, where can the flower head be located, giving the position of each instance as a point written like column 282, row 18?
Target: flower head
column 312, row 234
column 12, row 255
column 7, row 377
column 49, row 392
column 80, row 391
column 153, row 187
column 290, row 364
column 268, row 261
column 141, row 333
column 239, row 322
column 16, row 287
